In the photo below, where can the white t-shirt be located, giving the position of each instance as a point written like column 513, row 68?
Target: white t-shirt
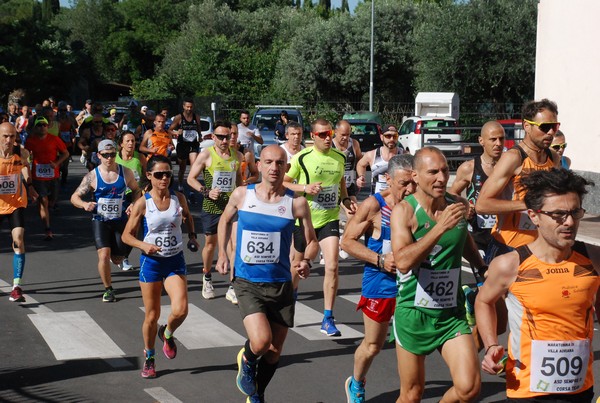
column 245, row 135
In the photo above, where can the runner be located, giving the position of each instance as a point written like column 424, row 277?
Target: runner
column 48, row 153
column 136, row 161
column 186, row 129
column 378, row 159
column 429, row 238
column 552, row 285
column 15, row 185
column 378, row 296
column 293, row 145
column 502, row 194
column 319, row 174
column 220, row 166
column 263, row 282
column 161, row 263
column 351, row 149
column 109, row 182
column 157, row 141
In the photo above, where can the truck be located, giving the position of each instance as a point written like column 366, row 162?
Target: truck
column 435, row 123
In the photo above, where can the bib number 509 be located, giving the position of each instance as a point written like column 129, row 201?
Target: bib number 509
column 562, row 367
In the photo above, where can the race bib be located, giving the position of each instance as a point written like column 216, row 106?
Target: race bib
column 260, row 247
column 525, row 222
column 486, row 221
column 558, row 366
column 190, row 135
column 169, row 242
column 350, row 177
column 381, row 183
column 44, row 171
column 437, row 289
column 326, row 199
column 8, row 184
column 224, row 181
column 386, row 247
column 110, row 209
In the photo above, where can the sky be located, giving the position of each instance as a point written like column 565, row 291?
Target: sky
column 334, row 3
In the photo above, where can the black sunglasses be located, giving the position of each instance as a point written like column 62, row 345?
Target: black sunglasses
column 560, row 216
column 108, row 155
column 162, row 174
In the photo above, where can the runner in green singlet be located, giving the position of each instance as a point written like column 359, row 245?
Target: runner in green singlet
column 429, row 238
column 319, row 175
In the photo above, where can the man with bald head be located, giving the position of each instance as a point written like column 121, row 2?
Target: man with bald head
column 15, row 182
column 429, row 238
column 471, row 175
column 351, row 149
column 266, row 214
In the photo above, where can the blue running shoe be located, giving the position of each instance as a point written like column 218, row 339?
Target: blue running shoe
column 328, row 327
column 255, row 398
column 246, row 377
column 355, row 391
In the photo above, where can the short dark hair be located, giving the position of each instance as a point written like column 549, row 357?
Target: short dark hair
column 188, row 100
column 531, row 108
column 293, row 125
column 319, row 121
column 557, row 181
column 244, row 111
column 222, row 123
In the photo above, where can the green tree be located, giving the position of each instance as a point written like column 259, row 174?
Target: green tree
column 482, row 49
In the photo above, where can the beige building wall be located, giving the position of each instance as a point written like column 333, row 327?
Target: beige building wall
column 568, row 72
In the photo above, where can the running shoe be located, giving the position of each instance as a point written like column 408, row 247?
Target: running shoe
column 125, row 265
column 470, row 308
column 230, row 296
column 355, row 391
column 255, row 398
column 169, row 346
column 322, row 261
column 246, row 377
column 109, row 296
column 49, row 235
column 16, row 295
column 149, row 370
column 208, row 291
column 328, row 327
column 343, row 254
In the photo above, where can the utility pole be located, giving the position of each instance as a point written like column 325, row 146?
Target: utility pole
column 371, row 89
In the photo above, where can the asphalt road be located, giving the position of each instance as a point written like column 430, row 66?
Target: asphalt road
column 65, row 345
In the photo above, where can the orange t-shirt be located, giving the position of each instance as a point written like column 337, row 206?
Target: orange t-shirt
column 44, row 151
column 12, row 188
column 516, row 229
column 550, row 312
column 160, row 140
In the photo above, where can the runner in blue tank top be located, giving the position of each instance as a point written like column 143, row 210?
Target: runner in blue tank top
column 108, row 182
column 378, row 296
column 263, row 282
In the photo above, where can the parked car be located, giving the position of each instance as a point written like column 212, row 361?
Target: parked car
column 265, row 118
column 439, row 132
column 367, row 133
column 514, row 132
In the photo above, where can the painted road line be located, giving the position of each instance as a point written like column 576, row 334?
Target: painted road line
column 200, row 330
column 354, row 298
column 307, row 323
column 161, row 395
column 75, row 335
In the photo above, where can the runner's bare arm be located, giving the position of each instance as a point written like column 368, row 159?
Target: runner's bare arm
column 489, row 200
column 225, row 225
column 87, row 184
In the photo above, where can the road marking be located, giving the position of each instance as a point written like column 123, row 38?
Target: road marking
column 200, row 330
column 75, row 335
column 161, row 395
column 307, row 323
column 354, row 298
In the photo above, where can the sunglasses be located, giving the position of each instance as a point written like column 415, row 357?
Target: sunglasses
column 162, row 174
column 557, row 147
column 324, row 134
column 111, row 129
column 545, row 126
column 222, row 137
column 41, row 124
column 108, row 155
column 390, row 136
column 560, row 216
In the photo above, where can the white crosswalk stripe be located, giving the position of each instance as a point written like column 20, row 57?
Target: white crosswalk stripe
column 354, row 298
column 200, row 330
column 75, row 335
column 307, row 323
